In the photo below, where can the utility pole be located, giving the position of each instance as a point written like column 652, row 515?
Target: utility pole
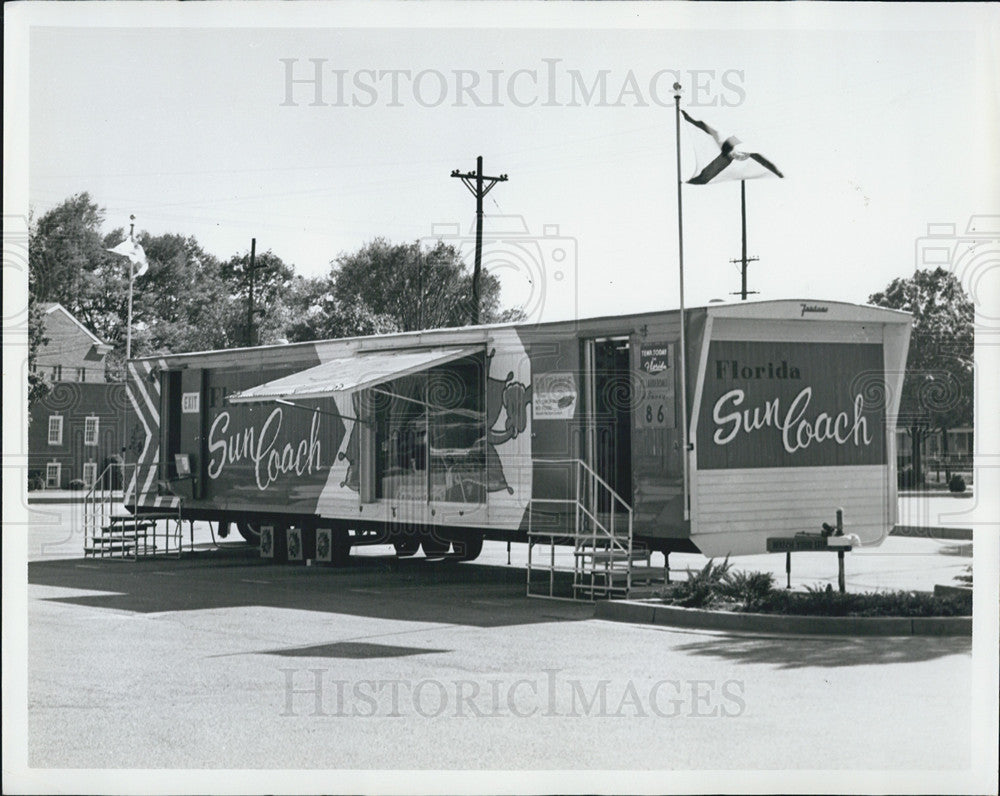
column 250, row 277
column 479, row 185
column 744, row 260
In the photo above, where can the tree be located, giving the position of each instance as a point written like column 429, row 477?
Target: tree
column 38, row 387
column 315, row 314
column 269, row 281
column 64, row 246
column 70, row 264
column 419, row 287
column 938, row 386
column 180, row 304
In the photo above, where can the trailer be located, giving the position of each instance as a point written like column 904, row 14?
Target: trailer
column 563, row 432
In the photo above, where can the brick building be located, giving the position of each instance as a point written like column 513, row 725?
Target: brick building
column 75, row 431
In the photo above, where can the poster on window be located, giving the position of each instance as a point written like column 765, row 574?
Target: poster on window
column 554, row 396
column 655, row 404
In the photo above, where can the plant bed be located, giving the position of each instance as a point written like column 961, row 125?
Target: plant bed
column 719, row 588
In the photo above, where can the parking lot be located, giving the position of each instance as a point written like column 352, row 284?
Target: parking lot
column 221, row 660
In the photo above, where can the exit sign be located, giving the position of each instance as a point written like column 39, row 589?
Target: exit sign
column 190, row 403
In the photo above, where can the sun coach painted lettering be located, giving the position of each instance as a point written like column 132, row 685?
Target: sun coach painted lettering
column 261, row 447
column 791, row 404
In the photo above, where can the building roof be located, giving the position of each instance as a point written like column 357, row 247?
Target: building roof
column 50, row 307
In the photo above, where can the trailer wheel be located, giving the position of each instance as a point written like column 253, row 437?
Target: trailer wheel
column 250, row 531
column 407, row 546
column 434, row 547
column 467, row 549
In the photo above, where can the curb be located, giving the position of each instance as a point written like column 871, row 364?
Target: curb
column 673, row 616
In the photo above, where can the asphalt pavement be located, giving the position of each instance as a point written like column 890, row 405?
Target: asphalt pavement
column 220, row 660
column 225, row 661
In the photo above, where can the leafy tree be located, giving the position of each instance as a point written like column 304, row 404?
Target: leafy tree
column 938, row 386
column 315, row 314
column 419, row 287
column 269, row 280
column 38, row 387
column 70, row 264
column 180, row 304
column 65, row 245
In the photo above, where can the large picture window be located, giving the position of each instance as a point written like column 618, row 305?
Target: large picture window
column 430, row 434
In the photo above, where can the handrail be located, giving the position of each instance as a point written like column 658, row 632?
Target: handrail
column 586, row 481
column 99, row 512
column 98, row 502
column 590, row 470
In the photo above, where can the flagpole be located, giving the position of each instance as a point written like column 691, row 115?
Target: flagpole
column 131, row 279
column 680, row 260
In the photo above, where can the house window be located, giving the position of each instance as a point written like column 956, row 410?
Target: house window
column 89, row 473
column 53, row 475
column 90, row 431
column 57, row 373
column 81, row 374
column 55, row 429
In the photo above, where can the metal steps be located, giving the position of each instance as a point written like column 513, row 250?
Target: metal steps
column 606, row 561
column 111, row 531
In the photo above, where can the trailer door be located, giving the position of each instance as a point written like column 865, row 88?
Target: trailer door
column 608, row 415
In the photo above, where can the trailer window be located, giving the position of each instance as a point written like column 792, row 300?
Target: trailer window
column 430, row 431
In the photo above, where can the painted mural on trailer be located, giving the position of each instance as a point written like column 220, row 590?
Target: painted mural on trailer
column 256, row 451
column 304, row 459
column 778, row 404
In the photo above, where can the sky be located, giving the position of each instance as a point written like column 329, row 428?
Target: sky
column 191, row 124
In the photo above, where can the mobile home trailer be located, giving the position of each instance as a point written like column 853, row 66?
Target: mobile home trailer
column 447, row 437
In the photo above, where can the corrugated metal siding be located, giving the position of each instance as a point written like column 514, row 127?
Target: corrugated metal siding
column 737, row 510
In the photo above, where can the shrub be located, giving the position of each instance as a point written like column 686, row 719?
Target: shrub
column 905, row 478
column 701, row 588
column 965, row 578
column 77, row 483
column 35, row 480
column 957, row 483
column 827, row 602
column 748, row 588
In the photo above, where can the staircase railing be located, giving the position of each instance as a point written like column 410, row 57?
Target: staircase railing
column 99, row 506
column 111, row 534
column 598, row 546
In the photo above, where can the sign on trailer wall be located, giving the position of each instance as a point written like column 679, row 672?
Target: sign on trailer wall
column 655, row 408
column 778, row 404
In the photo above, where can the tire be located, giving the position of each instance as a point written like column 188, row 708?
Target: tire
column 435, row 547
column 468, row 548
column 250, row 530
column 406, row 546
